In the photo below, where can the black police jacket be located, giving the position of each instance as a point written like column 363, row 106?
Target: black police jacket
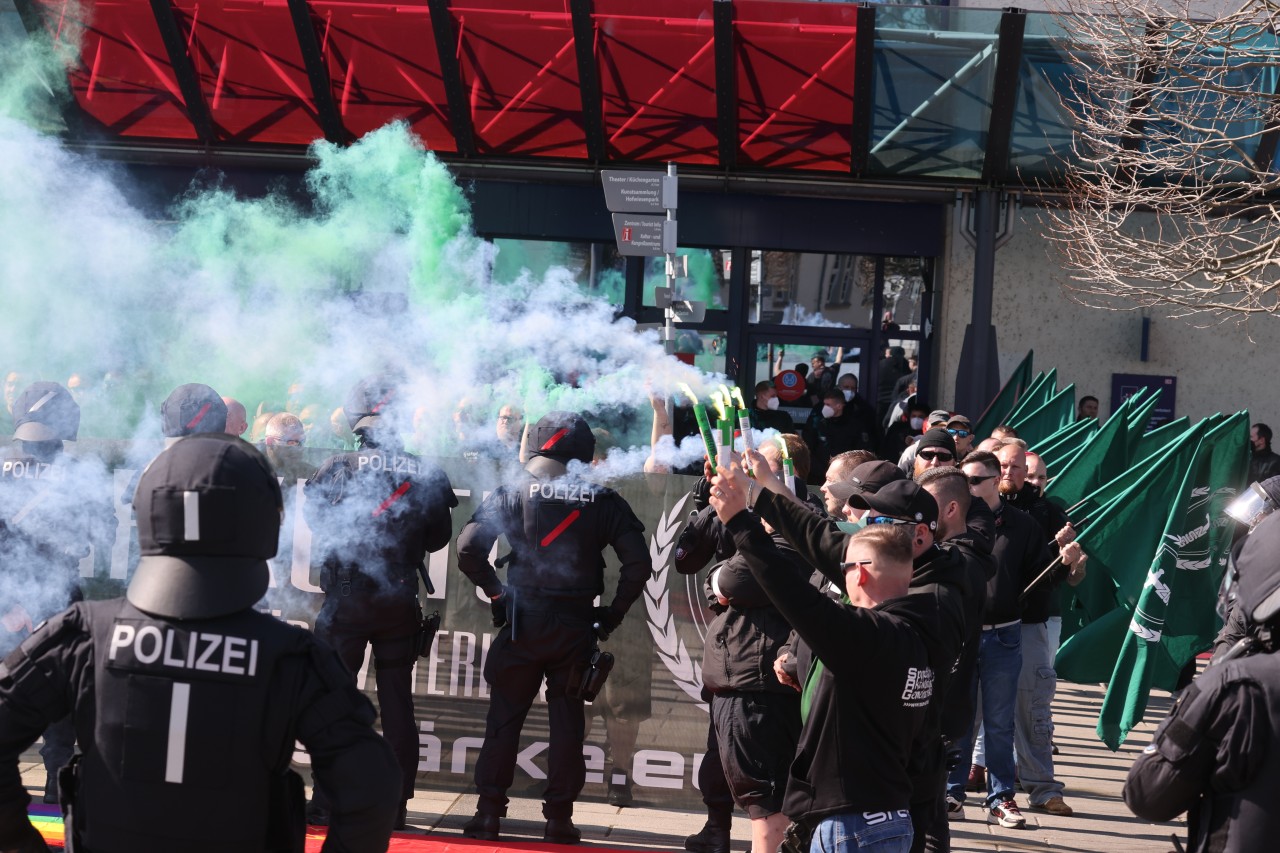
column 867, row 704
column 1217, row 758
column 557, row 530
column 377, row 513
column 51, row 512
column 179, row 720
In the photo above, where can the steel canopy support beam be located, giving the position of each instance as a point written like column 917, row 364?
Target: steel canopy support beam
column 978, row 376
column 446, row 36
column 184, row 70
column 1004, row 97
column 962, row 74
column 584, row 45
column 317, row 73
column 864, row 88
column 726, row 84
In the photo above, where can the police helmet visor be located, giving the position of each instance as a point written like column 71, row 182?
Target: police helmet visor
column 1251, row 506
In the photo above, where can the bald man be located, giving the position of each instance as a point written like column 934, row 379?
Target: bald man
column 237, row 417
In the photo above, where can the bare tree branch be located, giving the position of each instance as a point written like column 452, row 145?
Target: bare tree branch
column 1169, row 203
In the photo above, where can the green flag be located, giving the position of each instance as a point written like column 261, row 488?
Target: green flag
column 1008, row 397
column 1060, row 446
column 1057, row 412
column 1042, row 388
column 1173, row 608
column 1119, row 527
column 1159, row 438
column 1104, row 457
column 1142, row 415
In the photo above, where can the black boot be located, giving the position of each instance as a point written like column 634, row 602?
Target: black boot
column 620, row 795
column 483, row 826
column 560, row 830
column 51, row 788
column 402, row 816
column 710, row 839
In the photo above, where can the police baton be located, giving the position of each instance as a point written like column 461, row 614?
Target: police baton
column 426, row 579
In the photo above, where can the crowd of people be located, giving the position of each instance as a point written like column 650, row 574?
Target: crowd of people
column 882, row 646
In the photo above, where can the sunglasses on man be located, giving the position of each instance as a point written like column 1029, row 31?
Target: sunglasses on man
column 959, row 433
column 935, row 455
column 978, row 480
column 885, row 519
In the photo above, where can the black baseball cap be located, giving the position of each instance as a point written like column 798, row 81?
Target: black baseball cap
column 45, row 411
column 1258, row 590
column 873, row 476
column 209, row 512
column 902, row 499
column 370, row 400
column 192, row 409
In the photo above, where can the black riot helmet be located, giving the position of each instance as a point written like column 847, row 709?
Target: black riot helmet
column 557, row 438
column 45, row 411
column 369, row 402
column 192, row 409
column 209, row 512
column 1258, row 590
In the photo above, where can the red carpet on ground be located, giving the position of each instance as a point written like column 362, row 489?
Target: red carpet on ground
column 48, row 819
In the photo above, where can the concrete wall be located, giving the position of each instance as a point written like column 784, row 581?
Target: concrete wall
column 1222, row 368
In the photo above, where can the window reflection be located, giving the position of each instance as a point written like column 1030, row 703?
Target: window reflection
column 702, row 275
column 804, row 289
column 597, row 267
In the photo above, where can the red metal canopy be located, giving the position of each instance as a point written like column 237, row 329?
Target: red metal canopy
column 728, row 83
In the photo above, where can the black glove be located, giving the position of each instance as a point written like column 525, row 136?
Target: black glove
column 606, row 621
column 701, row 492
column 498, row 607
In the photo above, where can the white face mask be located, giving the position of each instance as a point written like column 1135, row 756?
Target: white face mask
column 772, row 404
column 917, row 423
column 848, row 395
column 828, row 412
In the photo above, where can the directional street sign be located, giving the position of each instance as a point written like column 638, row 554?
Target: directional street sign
column 644, row 235
column 638, row 192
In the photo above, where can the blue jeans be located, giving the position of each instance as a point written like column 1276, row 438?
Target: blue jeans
column 1033, row 732
column 999, row 667
column 882, row 832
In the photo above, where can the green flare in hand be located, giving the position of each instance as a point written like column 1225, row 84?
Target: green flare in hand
column 704, row 426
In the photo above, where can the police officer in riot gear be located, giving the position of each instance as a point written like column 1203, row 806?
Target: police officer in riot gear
column 1249, row 508
column 374, row 514
column 557, row 526
column 1217, row 756
column 52, row 508
column 187, row 702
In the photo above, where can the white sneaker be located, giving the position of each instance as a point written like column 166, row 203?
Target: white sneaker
column 955, row 808
column 1007, row 815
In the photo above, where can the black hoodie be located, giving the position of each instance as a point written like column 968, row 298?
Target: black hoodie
column 868, row 703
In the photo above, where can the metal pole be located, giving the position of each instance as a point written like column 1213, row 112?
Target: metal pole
column 671, row 277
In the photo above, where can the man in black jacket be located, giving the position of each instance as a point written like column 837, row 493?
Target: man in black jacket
column 861, row 712
column 1264, row 462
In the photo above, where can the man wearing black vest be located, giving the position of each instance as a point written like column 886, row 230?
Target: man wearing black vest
column 375, row 514
column 187, row 702
column 557, row 525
